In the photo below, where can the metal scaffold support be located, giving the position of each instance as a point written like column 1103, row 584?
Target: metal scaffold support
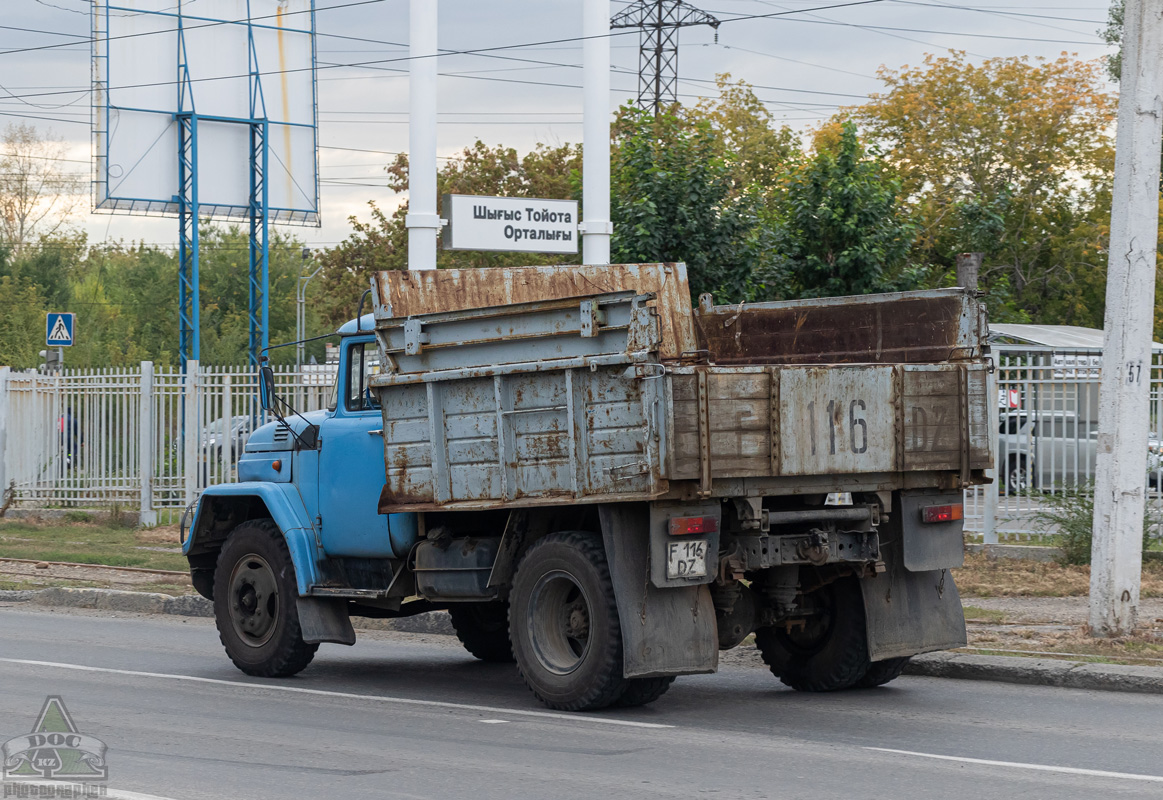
column 189, row 328
column 258, row 309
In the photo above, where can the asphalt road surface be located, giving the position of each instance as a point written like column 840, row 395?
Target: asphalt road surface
column 407, row 716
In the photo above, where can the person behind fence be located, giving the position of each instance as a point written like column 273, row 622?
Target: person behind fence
column 70, row 430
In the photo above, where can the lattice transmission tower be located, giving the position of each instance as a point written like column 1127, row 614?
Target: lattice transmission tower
column 659, row 21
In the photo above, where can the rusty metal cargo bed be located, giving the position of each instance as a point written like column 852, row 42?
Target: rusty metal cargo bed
column 556, row 385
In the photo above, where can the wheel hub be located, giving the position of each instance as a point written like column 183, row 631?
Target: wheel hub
column 558, row 622
column 254, row 600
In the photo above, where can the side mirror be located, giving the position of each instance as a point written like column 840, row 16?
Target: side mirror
column 266, row 388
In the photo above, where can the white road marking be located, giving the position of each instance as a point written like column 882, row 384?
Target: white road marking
column 349, row 695
column 53, row 787
column 1096, row 773
column 493, row 721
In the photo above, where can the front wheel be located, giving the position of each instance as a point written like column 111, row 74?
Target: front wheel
column 829, row 651
column 563, row 621
column 254, row 603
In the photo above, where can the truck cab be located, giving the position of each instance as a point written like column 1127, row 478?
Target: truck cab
column 317, row 476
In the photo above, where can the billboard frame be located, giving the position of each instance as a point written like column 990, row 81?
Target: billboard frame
column 190, row 203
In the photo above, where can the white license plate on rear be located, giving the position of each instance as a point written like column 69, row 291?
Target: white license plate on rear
column 686, row 559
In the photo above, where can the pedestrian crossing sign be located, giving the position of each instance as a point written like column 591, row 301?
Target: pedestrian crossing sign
column 58, row 329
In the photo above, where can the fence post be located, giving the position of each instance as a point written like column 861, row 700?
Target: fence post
column 192, row 434
column 227, row 443
column 147, row 517
column 5, row 414
column 989, row 515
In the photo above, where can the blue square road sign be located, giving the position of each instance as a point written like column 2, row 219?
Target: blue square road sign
column 59, row 328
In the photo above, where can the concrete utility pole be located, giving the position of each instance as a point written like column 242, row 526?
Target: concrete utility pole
column 422, row 221
column 1116, row 556
column 597, row 228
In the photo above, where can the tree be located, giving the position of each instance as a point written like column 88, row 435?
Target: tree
column 840, row 228
column 21, row 324
column 382, row 242
column 1008, row 156
column 37, row 196
column 747, row 139
column 672, row 199
column 1113, row 34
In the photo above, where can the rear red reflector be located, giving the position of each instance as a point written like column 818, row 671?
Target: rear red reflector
column 943, row 513
column 680, row 526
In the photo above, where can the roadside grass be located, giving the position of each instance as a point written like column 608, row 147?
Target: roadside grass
column 96, row 541
column 975, row 614
column 983, row 576
column 1144, row 648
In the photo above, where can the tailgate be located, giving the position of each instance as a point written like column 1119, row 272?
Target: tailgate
column 731, row 422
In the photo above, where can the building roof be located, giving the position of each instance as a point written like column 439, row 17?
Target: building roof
column 1059, row 337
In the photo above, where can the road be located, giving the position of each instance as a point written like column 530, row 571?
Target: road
column 407, row 716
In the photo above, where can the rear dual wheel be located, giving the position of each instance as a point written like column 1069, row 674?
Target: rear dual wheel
column 829, row 651
column 563, row 621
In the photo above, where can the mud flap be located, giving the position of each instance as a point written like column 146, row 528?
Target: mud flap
column 664, row 631
column 325, row 620
column 910, row 612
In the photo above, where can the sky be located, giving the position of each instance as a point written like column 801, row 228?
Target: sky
column 803, row 65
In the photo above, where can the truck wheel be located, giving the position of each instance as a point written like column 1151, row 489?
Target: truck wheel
column 882, row 672
column 254, row 603
column 483, row 629
column 640, row 691
column 563, row 621
column 830, row 652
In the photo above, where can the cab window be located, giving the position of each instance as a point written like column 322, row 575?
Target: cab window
column 362, row 363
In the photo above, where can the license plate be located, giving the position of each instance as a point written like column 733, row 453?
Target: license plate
column 686, row 559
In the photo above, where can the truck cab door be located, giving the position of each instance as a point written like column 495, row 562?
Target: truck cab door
column 351, row 462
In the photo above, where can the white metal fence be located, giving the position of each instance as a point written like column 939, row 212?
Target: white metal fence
column 145, row 438
column 153, row 439
column 1047, row 439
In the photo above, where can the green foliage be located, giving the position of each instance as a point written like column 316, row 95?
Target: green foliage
column 839, row 228
column 1113, row 34
column 672, row 200
column 1067, row 516
column 382, row 242
column 21, row 323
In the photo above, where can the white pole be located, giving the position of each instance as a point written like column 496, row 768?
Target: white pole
column 1120, row 473
column 147, row 517
column 422, row 221
column 597, row 228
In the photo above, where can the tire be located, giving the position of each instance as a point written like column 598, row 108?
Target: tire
column 254, row 603
column 483, row 629
column 563, row 621
column 641, row 691
column 831, row 652
column 1019, row 480
column 882, row 672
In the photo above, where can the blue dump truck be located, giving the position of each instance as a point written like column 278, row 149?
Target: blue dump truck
column 608, row 486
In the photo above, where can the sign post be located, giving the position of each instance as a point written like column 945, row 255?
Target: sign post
column 59, row 329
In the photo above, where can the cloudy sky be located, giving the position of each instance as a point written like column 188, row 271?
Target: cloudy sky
column 803, row 65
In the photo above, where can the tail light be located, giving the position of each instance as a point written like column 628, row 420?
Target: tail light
column 681, row 526
column 949, row 513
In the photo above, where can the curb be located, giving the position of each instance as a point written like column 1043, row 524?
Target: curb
column 1038, row 672
column 193, row 605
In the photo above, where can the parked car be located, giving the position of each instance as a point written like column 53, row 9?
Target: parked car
column 221, row 436
column 1055, row 448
